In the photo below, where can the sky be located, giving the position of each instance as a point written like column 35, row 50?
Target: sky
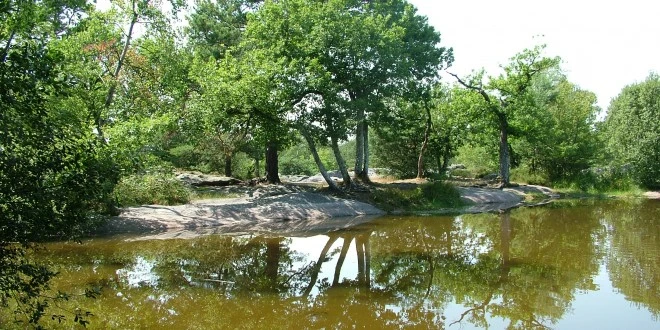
column 604, row 45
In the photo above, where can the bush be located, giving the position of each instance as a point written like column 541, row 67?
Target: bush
column 184, row 156
column 297, row 168
column 600, row 180
column 427, row 196
column 524, row 175
column 478, row 160
column 157, row 188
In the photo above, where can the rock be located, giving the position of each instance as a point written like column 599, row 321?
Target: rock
column 206, row 180
column 456, row 167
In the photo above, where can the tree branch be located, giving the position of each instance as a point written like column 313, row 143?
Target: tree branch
column 472, row 87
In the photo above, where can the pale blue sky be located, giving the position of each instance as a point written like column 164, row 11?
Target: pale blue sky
column 605, row 45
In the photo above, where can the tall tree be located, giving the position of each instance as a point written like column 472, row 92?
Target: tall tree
column 352, row 53
column 214, row 26
column 563, row 141
column 54, row 177
column 632, row 130
column 508, row 98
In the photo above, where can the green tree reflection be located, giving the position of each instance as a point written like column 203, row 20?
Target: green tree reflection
column 633, row 254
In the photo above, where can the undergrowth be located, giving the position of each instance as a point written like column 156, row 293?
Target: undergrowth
column 152, row 188
column 428, row 196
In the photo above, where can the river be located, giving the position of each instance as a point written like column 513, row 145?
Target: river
column 568, row 265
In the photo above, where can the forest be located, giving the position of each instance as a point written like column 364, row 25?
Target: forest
column 92, row 100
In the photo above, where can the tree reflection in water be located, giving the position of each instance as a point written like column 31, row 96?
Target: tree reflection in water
column 525, row 267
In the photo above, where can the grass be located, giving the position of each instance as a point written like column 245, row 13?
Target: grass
column 208, row 193
column 427, row 196
column 150, row 189
column 573, row 192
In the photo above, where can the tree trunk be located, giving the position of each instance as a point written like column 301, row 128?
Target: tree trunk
column 228, row 158
column 445, row 157
column 506, row 231
column 317, row 266
column 359, row 145
column 5, row 51
column 272, row 166
column 367, row 259
column 364, row 176
column 113, row 85
column 340, row 260
column 427, row 132
column 504, row 150
column 312, row 148
column 340, row 161
column 273, row 254
column 359, row 249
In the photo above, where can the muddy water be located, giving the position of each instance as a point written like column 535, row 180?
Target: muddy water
column 569, row 265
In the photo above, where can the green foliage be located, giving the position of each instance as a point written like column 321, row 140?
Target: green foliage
column 55, row 175
column 428, row 196
column 523, row 174
column 150, row 189
column 297, row 160
column 184, row 156
column 562, row 142
column 632, row 130
column 600, row 180
column 478, row 160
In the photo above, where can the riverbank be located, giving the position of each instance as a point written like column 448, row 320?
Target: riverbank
column 298, row 207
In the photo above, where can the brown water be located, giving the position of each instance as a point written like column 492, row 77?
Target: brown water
column 579, row 265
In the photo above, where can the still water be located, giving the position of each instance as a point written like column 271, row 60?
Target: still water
column 569, row 265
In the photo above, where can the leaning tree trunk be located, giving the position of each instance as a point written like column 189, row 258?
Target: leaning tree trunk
column 427, row 132
column 338, row 157
column 317, row 266
column 504, row 151
column 99, row 121
column 312, row 148
column 272, row 167
column 341, row 259
column 340, row 161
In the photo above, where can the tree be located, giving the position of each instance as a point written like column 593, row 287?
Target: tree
column 352, row 54
column 563, row 141
column 508, row 98
column 632, row 130
column 217, row 25
column 55, row 177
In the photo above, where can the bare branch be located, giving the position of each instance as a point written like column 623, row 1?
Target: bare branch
column 476, row 88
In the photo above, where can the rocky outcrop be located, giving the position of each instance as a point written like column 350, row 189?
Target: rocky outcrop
column 242, row 212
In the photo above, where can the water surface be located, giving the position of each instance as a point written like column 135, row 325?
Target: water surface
column 569, row 265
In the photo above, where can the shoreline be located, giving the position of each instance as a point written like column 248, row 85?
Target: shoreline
column 291, row 208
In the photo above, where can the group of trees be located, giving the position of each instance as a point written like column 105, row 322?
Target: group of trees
column 88, row 96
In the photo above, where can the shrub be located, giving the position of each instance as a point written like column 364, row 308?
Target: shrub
column 600, row 180
column 424, row 197
column 523, row 174
column 478, row 160
column 155, row 188
column 184, row 156
column 297, row 168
